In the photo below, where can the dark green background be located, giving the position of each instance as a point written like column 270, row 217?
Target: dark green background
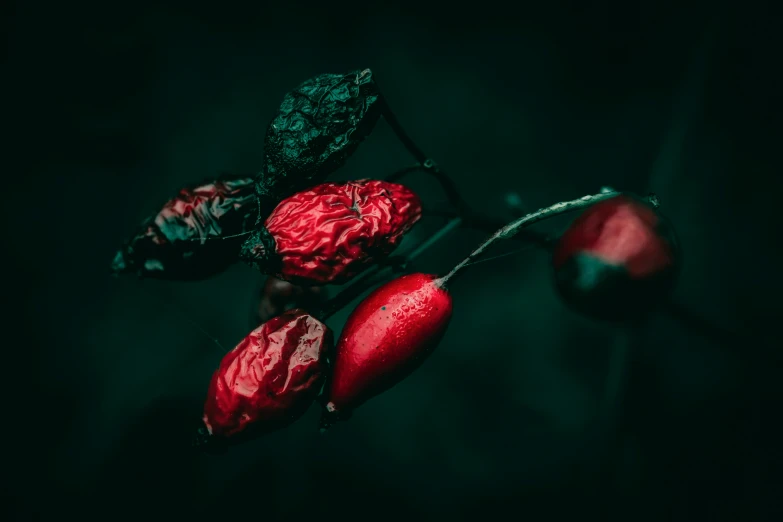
column 112, row 108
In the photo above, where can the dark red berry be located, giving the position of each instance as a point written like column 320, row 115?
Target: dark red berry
column 269, row 380
column 195, row 235
column 386, row 338
column 333, row 231
column 617, row 260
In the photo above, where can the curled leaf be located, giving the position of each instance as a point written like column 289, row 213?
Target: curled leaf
column 319, row 125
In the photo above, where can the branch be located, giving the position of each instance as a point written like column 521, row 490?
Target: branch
column 367, row 279
column 516, row 226
column 470, row 218
column 426, row 163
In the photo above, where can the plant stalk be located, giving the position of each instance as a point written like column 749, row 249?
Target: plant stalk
column 516, row 226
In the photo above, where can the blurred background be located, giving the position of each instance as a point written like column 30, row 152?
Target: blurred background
column 112, row 108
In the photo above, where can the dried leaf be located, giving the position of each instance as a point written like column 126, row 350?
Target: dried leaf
column 319, row 125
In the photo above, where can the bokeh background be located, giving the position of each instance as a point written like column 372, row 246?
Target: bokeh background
column 113, row 107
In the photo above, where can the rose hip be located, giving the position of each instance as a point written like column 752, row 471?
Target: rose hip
column 332, row 232
column 193, row 236
column 617, row 260
column 267, row 381
column 386, row 338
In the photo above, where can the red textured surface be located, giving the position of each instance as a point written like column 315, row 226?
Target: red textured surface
column 330, row 233
column 619, row 231
column 271, row 376
column 386, row 337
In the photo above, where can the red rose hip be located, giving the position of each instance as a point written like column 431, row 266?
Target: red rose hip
column 333, row 231
column 386, row 338
column 617, row 260
column 267, row 381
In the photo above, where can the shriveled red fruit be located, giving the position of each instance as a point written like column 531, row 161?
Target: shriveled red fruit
column 195, row 235
column 267, row 381
column 277, row 296
column 333, row 231
column 617, row 260
column 386, row 338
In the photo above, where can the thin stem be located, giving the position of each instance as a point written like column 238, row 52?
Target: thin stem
column 470, row 218
column 368, row 278
column 406, row 140
column 516, row 226
column 396, row 175
column 428, row 165
column 433, row 239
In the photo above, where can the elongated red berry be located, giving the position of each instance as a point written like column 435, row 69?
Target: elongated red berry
column 617, row 260
column 333, row 231
column 269, row 380
column 386, row 337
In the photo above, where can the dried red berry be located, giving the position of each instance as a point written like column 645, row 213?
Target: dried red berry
column 269, row 379
column 278, row 296
column 189, row 238
column 333, row 231
column 386, row 338
column 617, row 260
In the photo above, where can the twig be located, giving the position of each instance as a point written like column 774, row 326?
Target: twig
column 470, row 218
column 426, row 163
column 398, row 174
column 516, row 226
